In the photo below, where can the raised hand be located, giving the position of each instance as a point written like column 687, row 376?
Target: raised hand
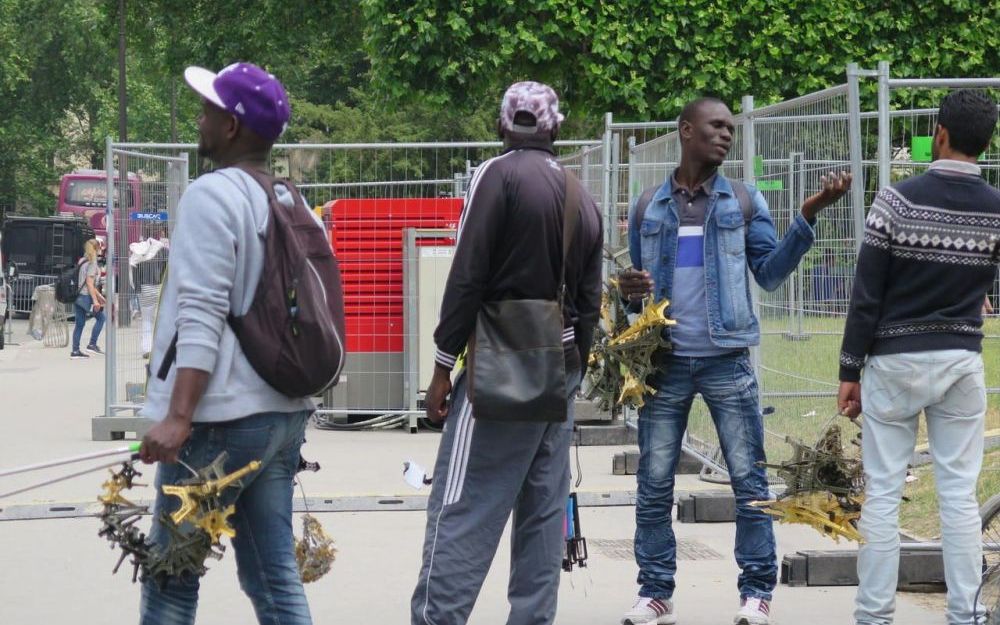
column 834, row 186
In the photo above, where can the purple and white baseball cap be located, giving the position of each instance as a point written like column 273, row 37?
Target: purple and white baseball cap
column 530, row 97
column 254, row 96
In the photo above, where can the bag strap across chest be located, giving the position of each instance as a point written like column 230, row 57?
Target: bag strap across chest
column 571, row 215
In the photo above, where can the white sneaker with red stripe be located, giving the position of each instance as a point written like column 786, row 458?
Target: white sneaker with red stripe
column 753, row 611
column 648, row 611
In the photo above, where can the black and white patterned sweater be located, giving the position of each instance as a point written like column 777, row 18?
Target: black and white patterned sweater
column 929, row 255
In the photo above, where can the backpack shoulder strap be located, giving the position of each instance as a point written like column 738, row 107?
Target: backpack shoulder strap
column 266, row 181
column 571, row 215
column 643, row 203
column 743, row 197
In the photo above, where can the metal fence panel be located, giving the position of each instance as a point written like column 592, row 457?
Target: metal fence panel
column 370, row 196
column 132, row 287
column 794, row 143
column 23, row 290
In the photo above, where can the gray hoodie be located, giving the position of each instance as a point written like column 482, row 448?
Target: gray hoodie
column 216, row 257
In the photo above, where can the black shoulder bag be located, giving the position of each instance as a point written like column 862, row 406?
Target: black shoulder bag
column 516, row 365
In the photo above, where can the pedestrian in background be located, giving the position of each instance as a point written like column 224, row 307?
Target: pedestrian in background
column 89, row 301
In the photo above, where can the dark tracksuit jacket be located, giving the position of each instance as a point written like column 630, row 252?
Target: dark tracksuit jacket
column 509, row 247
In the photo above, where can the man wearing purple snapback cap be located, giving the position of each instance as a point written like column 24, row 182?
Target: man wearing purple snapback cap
column 204, row 393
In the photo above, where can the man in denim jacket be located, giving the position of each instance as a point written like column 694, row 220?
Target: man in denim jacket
column 693, row 247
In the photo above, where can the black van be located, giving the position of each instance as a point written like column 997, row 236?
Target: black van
column 40, row 248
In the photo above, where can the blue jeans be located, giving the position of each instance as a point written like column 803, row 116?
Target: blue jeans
column 265, row 552
column 81, row 308
column 728, row 386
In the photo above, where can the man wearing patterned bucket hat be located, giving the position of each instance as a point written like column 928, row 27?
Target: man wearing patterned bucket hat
column 509, row 248
column 203, row 392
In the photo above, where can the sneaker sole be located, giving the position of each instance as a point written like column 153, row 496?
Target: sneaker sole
column 666, row 619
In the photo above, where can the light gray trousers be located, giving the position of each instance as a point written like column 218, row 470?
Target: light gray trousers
column 949, row 387
column 484, row 471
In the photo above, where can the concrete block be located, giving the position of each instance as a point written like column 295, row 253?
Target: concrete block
column 119, row 428
column 632, row 462
column 616, row 434
column 687, row 465
column 586, row 411
column 918, row 570
column 685, row 509
column 707, row 507
column 831, row 568
column 794, row 571
column 618, row 464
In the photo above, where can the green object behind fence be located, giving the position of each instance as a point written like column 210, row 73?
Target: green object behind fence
column 770, row 185
column 920, row 149
column 758, row 166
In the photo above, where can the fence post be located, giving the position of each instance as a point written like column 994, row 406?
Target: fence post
column 606, row 185
column 616, row 168
column 749, row 150
column 884, row 126
column 110, row 343
column 749, row 140
column 857, row 163
column 798, row 174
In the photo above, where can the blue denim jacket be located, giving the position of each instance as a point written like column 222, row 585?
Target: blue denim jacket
column 730, row 246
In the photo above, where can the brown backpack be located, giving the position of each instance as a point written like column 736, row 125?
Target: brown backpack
column 293, row 333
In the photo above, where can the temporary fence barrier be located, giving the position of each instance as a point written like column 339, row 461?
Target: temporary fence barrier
column 22, row 290
column 783, row 149
column 390, row 209
column 133, row 274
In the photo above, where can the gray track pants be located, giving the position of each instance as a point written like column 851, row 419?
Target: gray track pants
column 485, row 470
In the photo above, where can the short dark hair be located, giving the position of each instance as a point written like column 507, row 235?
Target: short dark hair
column 970, row 117
column 690, row 110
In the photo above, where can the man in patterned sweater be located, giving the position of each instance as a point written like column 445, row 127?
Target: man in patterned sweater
column 929, row 255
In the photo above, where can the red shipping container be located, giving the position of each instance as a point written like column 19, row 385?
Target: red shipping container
column 367, row 237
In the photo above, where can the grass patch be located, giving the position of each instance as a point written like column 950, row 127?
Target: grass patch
column 809, row 368
column 919, row 515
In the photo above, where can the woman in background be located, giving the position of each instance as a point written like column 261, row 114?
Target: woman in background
column 89, row 301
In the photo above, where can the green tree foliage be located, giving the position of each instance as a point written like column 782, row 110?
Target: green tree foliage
column 52, row 78
column 386, row 70
column 643, row 59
